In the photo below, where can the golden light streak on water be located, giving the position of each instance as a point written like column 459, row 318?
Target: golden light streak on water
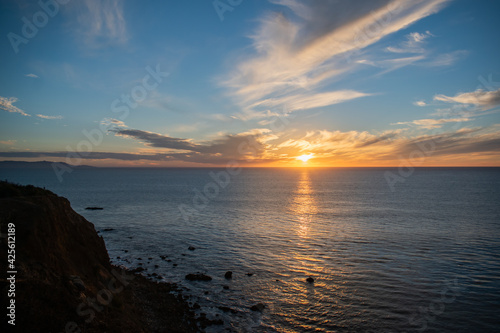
column 303, row 204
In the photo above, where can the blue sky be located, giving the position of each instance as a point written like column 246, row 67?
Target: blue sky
column 203, row 83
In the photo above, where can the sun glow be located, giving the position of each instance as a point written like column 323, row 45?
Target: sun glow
column 305, row 158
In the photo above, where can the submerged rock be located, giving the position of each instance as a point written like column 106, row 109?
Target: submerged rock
column 258, row 307
column 228, row 275
column 310, row 280
column 191, row 248
column 204, row 321
column 198, row 277
column 94, row 208
column 228, row 309
column 138, row 270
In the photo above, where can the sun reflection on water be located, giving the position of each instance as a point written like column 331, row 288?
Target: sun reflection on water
column 303, row 204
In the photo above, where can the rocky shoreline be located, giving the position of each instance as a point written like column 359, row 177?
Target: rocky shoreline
column 65, row 281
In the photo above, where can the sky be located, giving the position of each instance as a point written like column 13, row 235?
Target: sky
column 252, row 83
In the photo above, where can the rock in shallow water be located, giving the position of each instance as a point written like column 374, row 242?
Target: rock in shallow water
column 228, row 275
column 310, row 280
column 138, row 270
column 198, row 277
column 228, row 309
column 258, row 307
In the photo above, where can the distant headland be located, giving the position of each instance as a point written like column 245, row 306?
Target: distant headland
column 39, row 165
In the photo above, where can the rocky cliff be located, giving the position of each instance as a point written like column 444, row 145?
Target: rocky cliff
column 64, row 281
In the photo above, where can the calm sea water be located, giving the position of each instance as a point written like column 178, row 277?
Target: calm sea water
column 425, row 257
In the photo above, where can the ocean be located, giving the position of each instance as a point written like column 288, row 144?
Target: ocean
column 419, row 255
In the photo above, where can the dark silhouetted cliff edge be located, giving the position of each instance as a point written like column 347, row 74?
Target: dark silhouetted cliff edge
column 65, row 281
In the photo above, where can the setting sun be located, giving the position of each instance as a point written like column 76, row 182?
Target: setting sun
column 305, row 158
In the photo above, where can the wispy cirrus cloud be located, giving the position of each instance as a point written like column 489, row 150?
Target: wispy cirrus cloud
column 433, row 123
column 48, row 117
column 101, row 23
column 445, row 59
column 113, row 123
column 296, row 102
column 34, row 76
column 413, row 44
column 421, row 58
column 294, row 56
column 7, row 104
column 467, row 107
column 389, row 65
column 482, row 98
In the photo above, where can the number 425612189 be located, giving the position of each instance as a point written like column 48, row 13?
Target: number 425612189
column 11, row 243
